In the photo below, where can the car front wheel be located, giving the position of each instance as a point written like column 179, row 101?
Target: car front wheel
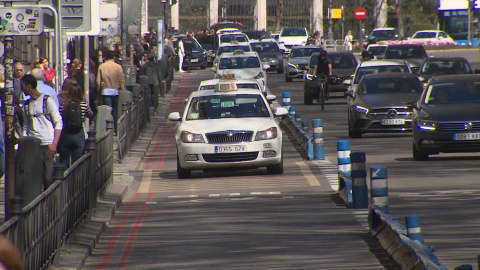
column 352, row 133
column 181, row 172
column 276, row 169
column 418, row 155
column 307, row 97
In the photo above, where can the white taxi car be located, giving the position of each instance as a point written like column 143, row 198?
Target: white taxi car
column 228, row 128
column 244, row 65
column 240, row 83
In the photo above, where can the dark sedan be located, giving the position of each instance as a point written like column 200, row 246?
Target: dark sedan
column 269, row 53
column 414, row 54
column 298, row 59
column 447, row 116
column 199, row 58
column 343, row 66
column 378, row 103
column 437, row 66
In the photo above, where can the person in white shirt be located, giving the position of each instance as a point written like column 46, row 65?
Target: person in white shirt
column 45, row 125
column 348, row 41
column 181, row 54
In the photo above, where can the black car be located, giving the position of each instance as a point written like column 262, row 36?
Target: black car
column 269, row 53
column 437, row 66
column 343, row 66
column 378, row 103
column 208, row 44
column 446, row 118
column 414, row 54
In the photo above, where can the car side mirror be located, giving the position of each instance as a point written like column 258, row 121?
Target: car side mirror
column 213, row 69
column 412, row 104
column 174, row 116
column 266, row 66
column 347, row 82
column 349, row 93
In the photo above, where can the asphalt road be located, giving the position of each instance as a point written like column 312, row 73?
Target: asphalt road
column 442, row 191
column 245, row 219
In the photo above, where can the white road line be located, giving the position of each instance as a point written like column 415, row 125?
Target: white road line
column 183, row 196
column 224, row 194
column 312, row 180
column 266, row 193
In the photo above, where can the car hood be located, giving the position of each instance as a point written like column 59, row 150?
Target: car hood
column 385, row 100
column 414, row 62
column 301, row 40
column 244, row 73
column 270, row 55
column 299, row 60
column 453, row 112
column 215, row 125
column 343, row 72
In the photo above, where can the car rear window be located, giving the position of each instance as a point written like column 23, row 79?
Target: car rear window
column 293, row 32
column 389, row 85
column 343, row 61
column 304, row 52
column 405, row 52
column 225, row 49
column 239, row 63
column 452, row 93
column 361, row 71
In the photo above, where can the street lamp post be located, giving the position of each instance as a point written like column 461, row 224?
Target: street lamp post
column 165, row 26
column 330, row 30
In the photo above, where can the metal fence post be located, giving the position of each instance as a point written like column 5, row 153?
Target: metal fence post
column 110, row 163
column 59, row 174
column 18, row 241
column 343, row 156
column 359, row 180
column 291, row 112
column 28, row 174
column 413, row 228
column 305, row 126
column 379, row 187
column 318, row 147
column 298, row 117
column 286, row 100
column 92, row 188
column 126, row 110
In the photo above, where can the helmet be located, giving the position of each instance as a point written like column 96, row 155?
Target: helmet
column 323, row 53
column 365, row 54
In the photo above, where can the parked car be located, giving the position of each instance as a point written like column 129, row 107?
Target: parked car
column 446, row 118
column 384, row 34
column 437, row 66
column 231, row 47
column 293, row 36
column 378, row 103
column 414, row 54
column 258, row 35
column 343, row 66
column 431, row 35
column 297, row 61
column 269, row 53
column 199, row 58
column 208, row 44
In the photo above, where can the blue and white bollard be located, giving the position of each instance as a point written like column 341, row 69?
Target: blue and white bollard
column 379, row 187
column 286, row 100
column 359, row 180
column 318, row 147
column 343, row 156
column 291, row 113
column 413, row 228
column 298, row 117
column 305, row 126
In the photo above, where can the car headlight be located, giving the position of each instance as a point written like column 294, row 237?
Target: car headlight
column 361, row 109
column 309, row 77
column 292, row 65
column 259, row 75
column 267, row 134
column 188, row 137
column 426, row 125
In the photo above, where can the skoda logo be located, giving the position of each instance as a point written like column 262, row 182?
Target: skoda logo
column 229, row 133
column 392, row 113
column 468, row 126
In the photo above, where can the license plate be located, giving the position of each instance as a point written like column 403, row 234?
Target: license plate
column 231, row 149
column 392, row 121
column 194, row 60
column 466, row 136
column 336, row 94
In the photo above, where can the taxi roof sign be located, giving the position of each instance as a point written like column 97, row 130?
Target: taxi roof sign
column 225, row 87
column 228, row 77
column 238, row 52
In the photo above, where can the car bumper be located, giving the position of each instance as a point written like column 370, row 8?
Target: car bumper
column 257, row 154
column 297, row 73
column 196, row 62
column 432, row 142
column 364, row 124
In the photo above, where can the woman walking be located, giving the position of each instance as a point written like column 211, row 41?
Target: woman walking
column 74, row 112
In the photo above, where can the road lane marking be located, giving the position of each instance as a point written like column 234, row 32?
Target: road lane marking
column 146, row 180
column 312, row 180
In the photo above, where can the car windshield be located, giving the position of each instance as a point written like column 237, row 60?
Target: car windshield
column 239, row 63
column 303, row 52
column 424, row 35
column 453, row 66
column 405, row 52
column 386, row 34
column 342, row 61
column 225, row 49
column 452, row 93
column 389, row 85
column 239, row 86
column 378, row 69
column 233, row 38
column 376, row 50
column 257, row 34
column 265, row 47
column 227, row 106
column 293, row 32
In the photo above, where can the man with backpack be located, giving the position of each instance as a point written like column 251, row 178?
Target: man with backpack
column 188, row 47
column 43, row 121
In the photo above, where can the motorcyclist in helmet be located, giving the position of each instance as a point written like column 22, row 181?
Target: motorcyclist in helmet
column 323, row 70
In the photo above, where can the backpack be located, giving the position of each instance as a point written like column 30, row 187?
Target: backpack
column 72, row 117
column 44, row 113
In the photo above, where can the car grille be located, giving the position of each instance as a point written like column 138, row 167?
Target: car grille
column 459, row 126
column 230, row 136
column 288, row 46
column 230, row 157
column 303, row 67
column 390, row 113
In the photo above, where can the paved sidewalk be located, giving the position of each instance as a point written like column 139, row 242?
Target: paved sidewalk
column 78, row 247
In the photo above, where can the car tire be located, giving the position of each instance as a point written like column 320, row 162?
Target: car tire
column 181, row 172
column 307, row 97
column 280, row 69
column 418, row 155
column 352, row 133
column 288, row 79
column 276, row 169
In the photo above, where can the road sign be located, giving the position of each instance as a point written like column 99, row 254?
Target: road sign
column 76, row 14
column 21, row 21
column 360, row 13
column 336, row 13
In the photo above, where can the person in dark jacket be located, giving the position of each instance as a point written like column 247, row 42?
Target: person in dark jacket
column 188, row 47
column 150, row 69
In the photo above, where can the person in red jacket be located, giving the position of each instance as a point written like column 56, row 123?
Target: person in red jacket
column 47, row 70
